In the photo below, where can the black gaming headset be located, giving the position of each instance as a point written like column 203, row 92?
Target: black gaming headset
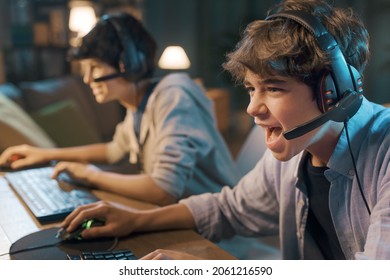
column 339, row 93
column 135, row 66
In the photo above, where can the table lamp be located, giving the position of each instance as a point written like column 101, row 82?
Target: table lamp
column 174, row 58
column 81, row 19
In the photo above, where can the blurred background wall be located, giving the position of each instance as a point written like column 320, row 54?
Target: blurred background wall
column 208, row 29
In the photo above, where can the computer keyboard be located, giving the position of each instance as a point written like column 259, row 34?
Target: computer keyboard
column 106, row 255
column 48, row 199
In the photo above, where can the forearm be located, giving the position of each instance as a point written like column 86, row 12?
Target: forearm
column 136, row 186
column 175, row 216
column 87, row 153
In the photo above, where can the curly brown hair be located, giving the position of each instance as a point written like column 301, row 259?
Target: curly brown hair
column 286, row 48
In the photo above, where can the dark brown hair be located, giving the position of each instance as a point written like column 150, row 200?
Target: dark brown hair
column 284, row 47
column 103, row 42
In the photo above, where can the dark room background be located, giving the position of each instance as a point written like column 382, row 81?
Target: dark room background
column 207, row 29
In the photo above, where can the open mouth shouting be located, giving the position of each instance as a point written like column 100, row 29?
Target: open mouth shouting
column 273, row 135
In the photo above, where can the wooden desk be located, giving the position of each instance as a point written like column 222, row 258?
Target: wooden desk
column 16, row 221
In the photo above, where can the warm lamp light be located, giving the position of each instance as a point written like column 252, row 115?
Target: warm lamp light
column 81, row 19
column 174, row 58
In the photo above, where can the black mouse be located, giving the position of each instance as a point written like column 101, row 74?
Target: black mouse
column 76, row 234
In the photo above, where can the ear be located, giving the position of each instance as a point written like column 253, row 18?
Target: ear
column 122, row 67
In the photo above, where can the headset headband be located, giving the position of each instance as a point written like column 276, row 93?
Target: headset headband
column 339, row 69
column 132, row 58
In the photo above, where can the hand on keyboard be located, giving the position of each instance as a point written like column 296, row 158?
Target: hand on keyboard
column 76, row 172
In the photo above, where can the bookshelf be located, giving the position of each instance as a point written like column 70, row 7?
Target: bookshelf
column 35, row 40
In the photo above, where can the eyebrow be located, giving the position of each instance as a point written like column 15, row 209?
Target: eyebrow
column 273, row 81
column 267, row 81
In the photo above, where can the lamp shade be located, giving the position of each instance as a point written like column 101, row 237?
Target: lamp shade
column 81, row 19
column 174, row 58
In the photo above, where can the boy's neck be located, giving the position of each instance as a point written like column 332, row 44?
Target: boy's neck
column 322, row 150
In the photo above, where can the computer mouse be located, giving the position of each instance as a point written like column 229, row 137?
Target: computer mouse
column 76, row 234
column 6, row 167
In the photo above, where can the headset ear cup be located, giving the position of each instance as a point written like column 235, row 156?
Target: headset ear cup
column 133, row 60
column 357, row 79
column 327, row 93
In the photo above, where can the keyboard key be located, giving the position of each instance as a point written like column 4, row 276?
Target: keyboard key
column 105, row 255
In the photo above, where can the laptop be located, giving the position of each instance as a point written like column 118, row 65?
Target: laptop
column 49, row 200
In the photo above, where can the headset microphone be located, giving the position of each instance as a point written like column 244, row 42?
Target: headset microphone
column 341, row 112
column 116, row 75
column 109, row 77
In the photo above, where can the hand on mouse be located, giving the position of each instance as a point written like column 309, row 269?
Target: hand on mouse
column 23, row 155
column 119, row 219
column 77, row 233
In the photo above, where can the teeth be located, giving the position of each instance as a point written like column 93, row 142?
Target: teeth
column 274, row 133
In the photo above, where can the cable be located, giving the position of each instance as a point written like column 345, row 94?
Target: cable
column 354, row 166
column 116, row 240
column 31, row 248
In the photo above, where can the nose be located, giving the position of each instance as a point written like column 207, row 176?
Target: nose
column 87, row 77
column 256, row 106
